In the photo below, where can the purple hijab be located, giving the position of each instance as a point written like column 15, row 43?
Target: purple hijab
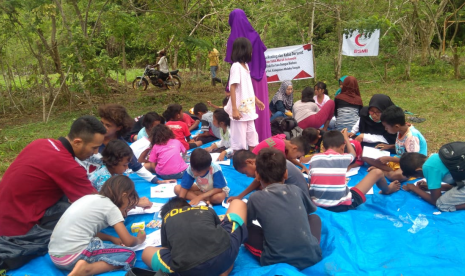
column 241, row 27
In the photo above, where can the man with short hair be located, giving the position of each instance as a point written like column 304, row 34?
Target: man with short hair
column 36, row 188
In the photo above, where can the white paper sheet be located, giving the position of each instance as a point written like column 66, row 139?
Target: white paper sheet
column 153, row 239
column 225, row 163
column 139, row 210
column 374, row 153
column 162, row 191
column 352, row 172
column 370, row 192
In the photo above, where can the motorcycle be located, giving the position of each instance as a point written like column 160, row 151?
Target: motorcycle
column 150, row 74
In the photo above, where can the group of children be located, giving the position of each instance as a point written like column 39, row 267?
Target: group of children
column 276, row 224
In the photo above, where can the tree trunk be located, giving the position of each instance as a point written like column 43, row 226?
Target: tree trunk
column 175, row 56
column 124, row 65
column 456, row 62
column 338, row 66
column 310, row 35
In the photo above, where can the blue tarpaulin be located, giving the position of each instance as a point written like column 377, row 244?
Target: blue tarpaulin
column 387, row 235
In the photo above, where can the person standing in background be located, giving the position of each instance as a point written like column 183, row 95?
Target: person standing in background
column 214, row 57
column 241, row 27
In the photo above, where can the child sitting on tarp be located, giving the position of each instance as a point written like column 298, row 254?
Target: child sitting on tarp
column 210, row 132
column 210, row 184
column 173, row 115
column 244, row 161
column 409, row 139
column 328, row 188
column 195, row 242
column 293, row 149
column 315, row 136
column 77, row 244
column 222, row 121
column 287, row 234
column 417, row 165
column 165, row 157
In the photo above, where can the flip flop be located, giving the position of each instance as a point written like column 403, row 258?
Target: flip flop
column 416, row 119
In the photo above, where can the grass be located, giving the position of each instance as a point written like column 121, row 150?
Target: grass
column 432, row 95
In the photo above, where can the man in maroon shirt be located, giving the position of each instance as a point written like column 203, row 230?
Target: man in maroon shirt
column 33, row 188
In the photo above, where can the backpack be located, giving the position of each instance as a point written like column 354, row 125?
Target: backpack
column 285, row 125
column 452, row 156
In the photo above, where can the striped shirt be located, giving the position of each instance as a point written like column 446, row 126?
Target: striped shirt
column 328, row 182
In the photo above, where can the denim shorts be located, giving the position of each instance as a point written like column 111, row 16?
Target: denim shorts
column 234, row 225
column 96, row 251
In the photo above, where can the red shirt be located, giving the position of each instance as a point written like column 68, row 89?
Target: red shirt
column 188, row 120
column 180, row 130
column 276, row 142
column 358, row 152
column 42, row 173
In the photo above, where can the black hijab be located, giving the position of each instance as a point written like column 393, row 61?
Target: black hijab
column 381, row 102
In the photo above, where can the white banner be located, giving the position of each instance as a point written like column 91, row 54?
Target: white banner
column 289, row 63
column 358, row 45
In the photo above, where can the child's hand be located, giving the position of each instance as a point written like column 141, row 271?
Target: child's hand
column 350, row 134
column 345, row 133
column 409, row 187
column 195, row 201
column 371, row 168
column 305, row 170
column 141, row 236
column 231, row 198
column 117, row 241
column 236, row 114
column 221, row 157
column 422, row 185
column 144, row 202
column 260, row 105
column 209, row 149
column 209, row 103
column 384, row 159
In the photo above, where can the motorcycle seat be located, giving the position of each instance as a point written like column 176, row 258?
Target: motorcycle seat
column 175, row 72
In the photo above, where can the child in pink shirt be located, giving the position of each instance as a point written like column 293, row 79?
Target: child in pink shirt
column 165, row 156
column 241, row 104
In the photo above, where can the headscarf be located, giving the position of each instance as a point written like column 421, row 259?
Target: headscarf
column 340, row 80
column 367, row 125
column 350, row 92
column 281, row 95
column 241, row 27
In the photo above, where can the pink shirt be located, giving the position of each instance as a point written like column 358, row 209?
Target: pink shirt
column 168, row 157
column 245, row 96
column 276, row 142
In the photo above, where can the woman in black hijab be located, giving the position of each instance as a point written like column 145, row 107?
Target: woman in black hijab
column 372, row 132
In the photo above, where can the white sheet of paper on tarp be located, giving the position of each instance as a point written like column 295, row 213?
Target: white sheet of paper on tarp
column 352, row 172
column 215, row 156
column 162, row 191
column 226, row 205
column 374, row 153
column 153, row 239
column 139, row 210
column 370, row 192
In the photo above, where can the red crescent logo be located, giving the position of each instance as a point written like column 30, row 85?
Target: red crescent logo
column 356, row 41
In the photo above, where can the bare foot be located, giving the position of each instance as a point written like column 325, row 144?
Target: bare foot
column 79, row 269
column 392, row 188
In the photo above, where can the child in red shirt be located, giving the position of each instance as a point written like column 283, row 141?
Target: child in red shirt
column 173, row 116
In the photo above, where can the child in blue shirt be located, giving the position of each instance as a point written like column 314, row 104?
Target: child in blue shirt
column 210, row 185
column 408, row 139
column 435, row 172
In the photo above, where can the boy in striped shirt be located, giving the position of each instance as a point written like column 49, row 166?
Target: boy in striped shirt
column 328, row 188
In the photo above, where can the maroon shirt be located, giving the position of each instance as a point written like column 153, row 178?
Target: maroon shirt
column 43, row 172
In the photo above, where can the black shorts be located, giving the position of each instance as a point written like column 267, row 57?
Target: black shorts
column 237, row 230
column 358, row 198
column 206, row 139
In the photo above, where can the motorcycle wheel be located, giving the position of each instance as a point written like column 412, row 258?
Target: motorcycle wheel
column 174, row 82
column 138, row 85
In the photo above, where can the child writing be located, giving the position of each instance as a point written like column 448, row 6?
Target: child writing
column 328, row 188
column 408, row 139
column 173, row 115
column 293, row 149
column 241, row 105
column 210, row 185
column 315, row 137
column 195, row 242
column 244, row 161
column 116, row 157
column 414, row 164
column 76, row 242
column 321, row 94
column 287, row 233
column 222, row 121
column 210, row 132
column 164, row 157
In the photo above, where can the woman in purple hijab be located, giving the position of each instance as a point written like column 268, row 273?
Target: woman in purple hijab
column 241, row 27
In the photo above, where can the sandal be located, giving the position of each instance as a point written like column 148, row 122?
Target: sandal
column 416, row 119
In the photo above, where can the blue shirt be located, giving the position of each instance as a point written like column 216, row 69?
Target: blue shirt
column 212, row 179
column 99, row 177
column 142, row 133
column 435, row 172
